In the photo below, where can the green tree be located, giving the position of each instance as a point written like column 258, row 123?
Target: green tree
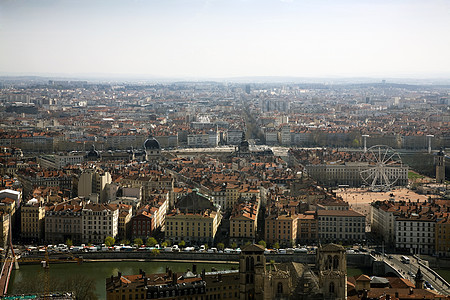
column 182, row 244
column 220, row 246
column 234, row 245
column 69, row 243
column 125, row 242
column 138, row 241
column 168, row 242
column 246, row 244
column 109, row 241
column 262, row 243
column 164, row 244
column 151, row 242
column 155, row 252
column 276, row 245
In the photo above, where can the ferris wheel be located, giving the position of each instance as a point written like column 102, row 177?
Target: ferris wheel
column 382, row 171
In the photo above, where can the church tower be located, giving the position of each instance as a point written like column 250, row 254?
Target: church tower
column 419, row 280
column 332, row 266
column 440, row 167
column 252, row 273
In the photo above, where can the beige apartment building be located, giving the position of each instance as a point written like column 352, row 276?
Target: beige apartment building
column 32, row 216
column 243, row 223
column 195, row 219
column 306, row 228
column 281, row 229
column 192, row 228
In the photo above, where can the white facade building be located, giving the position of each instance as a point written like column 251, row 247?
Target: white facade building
column 98, row 222
column 415, row 234
column 341, row 225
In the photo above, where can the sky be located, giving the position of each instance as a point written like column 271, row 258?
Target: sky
column 226, row 38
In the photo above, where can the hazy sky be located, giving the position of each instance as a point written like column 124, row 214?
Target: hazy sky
column 226, row 38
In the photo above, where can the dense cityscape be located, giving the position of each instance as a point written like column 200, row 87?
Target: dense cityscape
column 224, row 150
column 288, row 183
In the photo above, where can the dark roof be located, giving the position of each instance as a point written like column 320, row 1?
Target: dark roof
column 151, row 143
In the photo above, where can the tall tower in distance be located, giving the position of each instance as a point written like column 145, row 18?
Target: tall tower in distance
column 440, row 166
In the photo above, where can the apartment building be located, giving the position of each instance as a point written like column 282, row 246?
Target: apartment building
column 62, row 222
column 307, row 228
column 281, row 229
column 347, row 226
column 60, row 161
column 98, row 222
column 442, row 234
column 415, row 233
column 195, row 219
column 93, row 182
column 243, row 223
column 32, row 216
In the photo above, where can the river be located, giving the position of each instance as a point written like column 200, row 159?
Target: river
column 99, row 271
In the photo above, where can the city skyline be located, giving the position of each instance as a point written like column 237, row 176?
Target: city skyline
column 217, row 39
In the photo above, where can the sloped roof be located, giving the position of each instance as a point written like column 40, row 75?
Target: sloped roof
column 332, row 247
column 253, row 248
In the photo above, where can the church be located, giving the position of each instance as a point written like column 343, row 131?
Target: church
column 257, row 281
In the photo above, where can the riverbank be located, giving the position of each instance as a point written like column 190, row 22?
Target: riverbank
column 98, row 272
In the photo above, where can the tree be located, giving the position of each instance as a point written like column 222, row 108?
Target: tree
column 82, row 286
column 164, row 244
column 234, row 245
column 69, row 243
column 109, row 241
column 138, row 241
column 220, row 246
column 276, row 245
column 262, row 243
column 168, row 242
column 125, row 242
column 182, row 244
column 246, row 244
column 151, row 242
column 155, row 252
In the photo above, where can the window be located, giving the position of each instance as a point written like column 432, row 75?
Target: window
column 331, row 288
column 280, row 288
